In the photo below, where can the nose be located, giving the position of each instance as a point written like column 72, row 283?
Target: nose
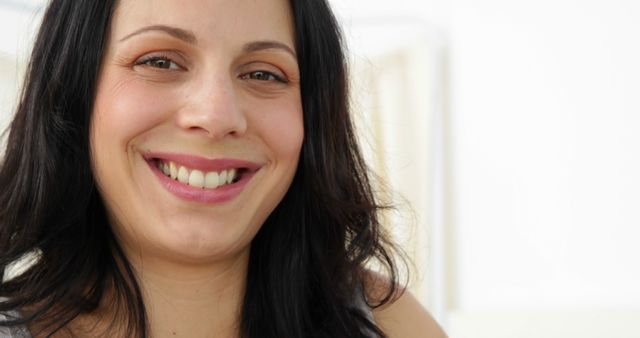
column 211, row 108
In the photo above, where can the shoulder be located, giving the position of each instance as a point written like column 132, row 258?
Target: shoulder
column 402, row 317
column 407, row 318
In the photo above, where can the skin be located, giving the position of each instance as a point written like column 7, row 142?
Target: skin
column 405, row 317
column 200, row 85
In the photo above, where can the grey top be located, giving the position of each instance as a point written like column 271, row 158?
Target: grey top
column 13, row 332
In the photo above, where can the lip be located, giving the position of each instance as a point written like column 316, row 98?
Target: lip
column 186, row 192
column 202, row 163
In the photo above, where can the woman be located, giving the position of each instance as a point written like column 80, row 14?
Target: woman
column 189, row 169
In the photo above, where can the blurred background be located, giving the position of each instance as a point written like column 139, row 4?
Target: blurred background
column 509, row 133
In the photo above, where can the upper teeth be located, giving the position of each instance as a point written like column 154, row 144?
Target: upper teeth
column 197, row 178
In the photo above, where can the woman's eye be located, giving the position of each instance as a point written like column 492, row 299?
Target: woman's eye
column 262, row 76
column 159, row 62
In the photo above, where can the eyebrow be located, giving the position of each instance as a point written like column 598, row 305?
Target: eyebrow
column 176, row 32
column 267, row 44
column 189, row 37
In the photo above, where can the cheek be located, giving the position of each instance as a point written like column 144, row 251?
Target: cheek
column 125, row 110
column 282, row 129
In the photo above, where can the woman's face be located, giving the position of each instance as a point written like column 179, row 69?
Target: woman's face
column 197, row 124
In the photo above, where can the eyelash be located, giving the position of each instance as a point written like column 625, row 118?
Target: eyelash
column 146, row 61
column 271, row 76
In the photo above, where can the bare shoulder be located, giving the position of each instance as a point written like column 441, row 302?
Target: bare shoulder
column 404, row 317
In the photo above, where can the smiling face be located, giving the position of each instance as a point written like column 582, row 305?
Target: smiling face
column 197, row 124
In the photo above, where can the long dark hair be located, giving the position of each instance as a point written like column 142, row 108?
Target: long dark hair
column 306, row 268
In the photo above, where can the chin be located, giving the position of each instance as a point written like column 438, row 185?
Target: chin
column 212, row 245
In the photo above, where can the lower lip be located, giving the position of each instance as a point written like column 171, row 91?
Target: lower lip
column 218, row 195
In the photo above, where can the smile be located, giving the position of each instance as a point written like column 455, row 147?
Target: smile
column 202, row 180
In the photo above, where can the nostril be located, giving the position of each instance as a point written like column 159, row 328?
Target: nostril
column 198, row 129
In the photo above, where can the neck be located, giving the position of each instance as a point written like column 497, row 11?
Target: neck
column 194, row 301
column 203, row 300
column 184, row 300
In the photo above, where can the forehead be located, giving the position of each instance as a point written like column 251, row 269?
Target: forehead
column 211, row 21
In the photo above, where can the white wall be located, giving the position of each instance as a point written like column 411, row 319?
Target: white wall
column 540, row 165
column 545, row 147
column 17, row 27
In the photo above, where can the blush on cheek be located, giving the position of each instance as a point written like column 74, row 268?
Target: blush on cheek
column 282, row 127
column 132, row 106
column 287, row 136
